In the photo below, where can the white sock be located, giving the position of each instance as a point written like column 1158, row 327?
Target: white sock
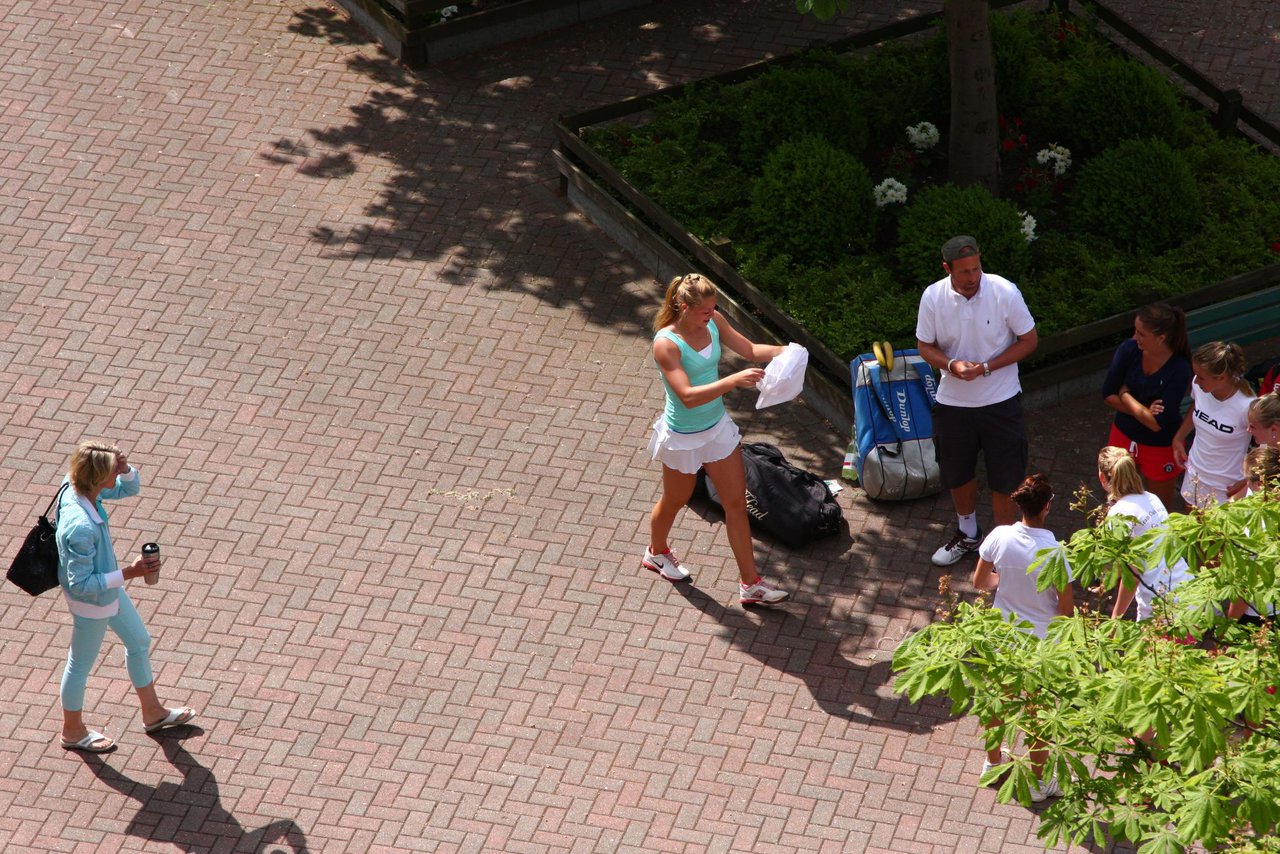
column 968, row 524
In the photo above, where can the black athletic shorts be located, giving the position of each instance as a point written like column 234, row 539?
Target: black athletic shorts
column 961, row 433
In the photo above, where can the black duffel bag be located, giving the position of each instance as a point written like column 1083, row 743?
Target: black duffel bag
column 787, row 503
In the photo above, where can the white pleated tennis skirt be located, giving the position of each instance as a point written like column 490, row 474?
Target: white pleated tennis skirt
column 687, row 452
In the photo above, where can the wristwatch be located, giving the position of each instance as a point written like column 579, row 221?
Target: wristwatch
column 986, row 369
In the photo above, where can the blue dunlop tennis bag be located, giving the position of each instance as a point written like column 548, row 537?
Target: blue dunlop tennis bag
column 893, row 425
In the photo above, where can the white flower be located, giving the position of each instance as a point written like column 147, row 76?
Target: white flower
column 447, row 12
column 922, row 136
column 1028, row 226
column 1057, row 155
column 889, row 191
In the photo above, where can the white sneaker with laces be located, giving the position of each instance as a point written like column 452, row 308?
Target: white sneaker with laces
column 957, row 547
column 761, row 593
column 1048, row 789
column 665, row 564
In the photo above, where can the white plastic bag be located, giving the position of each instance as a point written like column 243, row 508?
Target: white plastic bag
column 783, row 376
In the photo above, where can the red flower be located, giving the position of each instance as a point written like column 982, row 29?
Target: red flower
column 1031, row 183
column 1275, row 246
column 1271, row 689
column 1022, row 139
column 1019, row 187
column 1060, row 35
column 1007, row 145
column 1017, row 121
column 1001, row 121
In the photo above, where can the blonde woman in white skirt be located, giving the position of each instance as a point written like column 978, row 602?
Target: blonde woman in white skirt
column 694, row 431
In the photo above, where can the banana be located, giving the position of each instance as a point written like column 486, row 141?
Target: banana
column 888, row 354
column 878, row 350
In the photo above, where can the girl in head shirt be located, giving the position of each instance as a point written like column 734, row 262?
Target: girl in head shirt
column 1220, row 398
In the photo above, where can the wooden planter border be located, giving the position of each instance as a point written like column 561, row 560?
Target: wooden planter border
column 419, row 40
column 671, row 249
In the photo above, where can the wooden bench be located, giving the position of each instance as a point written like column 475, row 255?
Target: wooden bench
column 1243, row 320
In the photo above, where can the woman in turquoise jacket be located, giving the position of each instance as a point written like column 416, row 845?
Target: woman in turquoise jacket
column 93, row 587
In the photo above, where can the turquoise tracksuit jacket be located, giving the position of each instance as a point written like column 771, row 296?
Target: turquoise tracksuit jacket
column 85, row 554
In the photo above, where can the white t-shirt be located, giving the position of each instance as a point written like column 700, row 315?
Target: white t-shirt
column 975, row 330
column 1012, row 548
column 1222, row 440
column 1161, row 578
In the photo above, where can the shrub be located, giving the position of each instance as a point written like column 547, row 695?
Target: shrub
column 851, row 304
column 696, row 183
column 1016, row 47
column 1140, row 194
column 813, row 202
column 705, row 112
column 1239, row 182
column 940, row 213
column 1075, row 279
column 899, row 85
column 1101, row 100
column 791, row 102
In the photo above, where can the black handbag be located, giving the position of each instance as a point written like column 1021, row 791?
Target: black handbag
column 35, row 569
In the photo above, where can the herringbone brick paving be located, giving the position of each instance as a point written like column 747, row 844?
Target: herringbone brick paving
column 389, row 395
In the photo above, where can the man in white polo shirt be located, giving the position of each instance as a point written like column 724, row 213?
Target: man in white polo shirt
column 974, row 327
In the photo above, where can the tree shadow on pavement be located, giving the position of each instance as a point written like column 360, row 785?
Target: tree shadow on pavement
column 189, row 815
column 808, row 648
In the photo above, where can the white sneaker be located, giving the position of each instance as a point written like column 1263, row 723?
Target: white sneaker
column 665, row 564
column 987, row 764
column 1048, row 789
column 761, row 593
column 957, row 547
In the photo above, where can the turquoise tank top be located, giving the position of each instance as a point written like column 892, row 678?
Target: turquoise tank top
column 702, row 370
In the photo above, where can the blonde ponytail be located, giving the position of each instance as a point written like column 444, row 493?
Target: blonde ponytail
column 1120, row 470
column 689, row 289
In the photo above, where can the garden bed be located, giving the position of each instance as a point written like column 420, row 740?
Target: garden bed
column 420, row 32
column 1064, row 362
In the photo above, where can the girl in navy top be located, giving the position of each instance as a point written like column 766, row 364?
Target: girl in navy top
column 1149, row 376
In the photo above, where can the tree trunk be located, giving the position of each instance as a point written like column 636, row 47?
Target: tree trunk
column 974, row 144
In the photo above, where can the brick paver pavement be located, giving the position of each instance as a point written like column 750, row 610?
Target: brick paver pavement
column 389, row 396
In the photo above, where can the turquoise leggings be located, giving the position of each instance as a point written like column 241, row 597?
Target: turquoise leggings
column 86, row 641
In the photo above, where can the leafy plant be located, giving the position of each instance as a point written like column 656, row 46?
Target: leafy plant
column 1153, row 740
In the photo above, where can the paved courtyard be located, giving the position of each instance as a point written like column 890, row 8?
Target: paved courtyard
column 389, row 396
